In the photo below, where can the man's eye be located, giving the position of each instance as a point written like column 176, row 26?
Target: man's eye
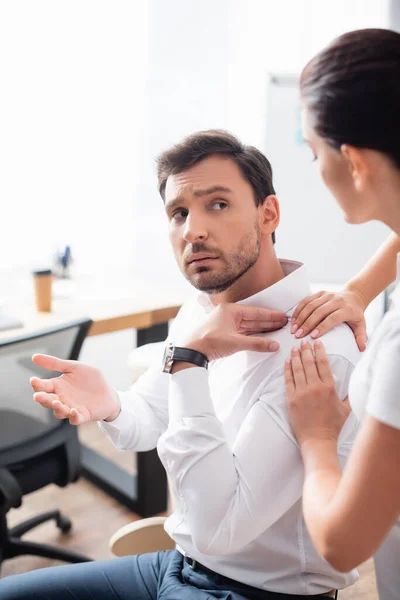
column 220, row 205
column 179, row 214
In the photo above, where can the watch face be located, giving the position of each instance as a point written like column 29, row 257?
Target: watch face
column 167, row 361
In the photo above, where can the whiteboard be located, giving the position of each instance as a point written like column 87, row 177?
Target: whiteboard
column 312, row 227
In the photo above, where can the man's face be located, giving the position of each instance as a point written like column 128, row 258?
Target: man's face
column 213, row 223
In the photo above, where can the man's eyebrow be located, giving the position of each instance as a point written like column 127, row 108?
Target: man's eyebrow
column 212, row 190
column 198, row 193
column 172, row 203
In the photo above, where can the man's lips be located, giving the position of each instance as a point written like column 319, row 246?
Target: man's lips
column 200, row 258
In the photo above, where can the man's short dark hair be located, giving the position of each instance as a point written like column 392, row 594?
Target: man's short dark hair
column 255, row 167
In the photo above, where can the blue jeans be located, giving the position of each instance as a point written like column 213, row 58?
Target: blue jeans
column 159, row 575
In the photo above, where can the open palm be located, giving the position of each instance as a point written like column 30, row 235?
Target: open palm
column 79, row 394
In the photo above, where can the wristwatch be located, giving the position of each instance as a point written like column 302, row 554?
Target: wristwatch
column 175, row 353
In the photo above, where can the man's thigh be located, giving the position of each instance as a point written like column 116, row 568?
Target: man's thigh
column 128, row 578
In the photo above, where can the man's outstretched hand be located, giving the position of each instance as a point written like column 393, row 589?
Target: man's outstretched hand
column 79, row 394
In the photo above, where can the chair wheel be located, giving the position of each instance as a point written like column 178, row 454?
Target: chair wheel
column 64, row 524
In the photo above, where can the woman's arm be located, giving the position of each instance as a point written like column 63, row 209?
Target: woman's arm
column 379, row 272
column 326, row 310
column 347, row 516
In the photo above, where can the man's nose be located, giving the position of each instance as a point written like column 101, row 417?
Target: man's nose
column 195, row 229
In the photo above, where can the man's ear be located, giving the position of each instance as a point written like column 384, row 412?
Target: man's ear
column 269, row 214
column 358, row 165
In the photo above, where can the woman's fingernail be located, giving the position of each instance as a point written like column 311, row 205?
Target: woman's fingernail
column 315, row 333
column 304, row 343
column 299, row 333
column 295, row 349
column 274, row 346
column 317, row 344
column 294, row 328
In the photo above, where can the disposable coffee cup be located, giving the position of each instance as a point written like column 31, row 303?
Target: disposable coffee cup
column 42, row 282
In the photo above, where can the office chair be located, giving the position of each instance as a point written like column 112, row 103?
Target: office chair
column 36, row 449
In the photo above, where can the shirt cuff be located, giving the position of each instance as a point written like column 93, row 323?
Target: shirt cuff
column 189, row 394
column 118, row 424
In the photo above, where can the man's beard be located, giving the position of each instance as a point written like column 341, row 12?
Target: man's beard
column 237, row 264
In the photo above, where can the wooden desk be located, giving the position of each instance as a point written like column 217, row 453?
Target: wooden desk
column 144, row 307
column 134, row 307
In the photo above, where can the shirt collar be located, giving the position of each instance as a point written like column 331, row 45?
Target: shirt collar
column 283, row 295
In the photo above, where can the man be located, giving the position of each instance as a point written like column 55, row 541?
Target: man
column 222, row 432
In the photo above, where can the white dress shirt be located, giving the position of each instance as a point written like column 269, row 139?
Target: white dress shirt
column 375, row 389
column 225, row 440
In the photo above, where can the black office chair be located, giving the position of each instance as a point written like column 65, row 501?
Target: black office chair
column 36, row 449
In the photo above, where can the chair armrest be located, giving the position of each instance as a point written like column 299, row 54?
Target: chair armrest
column 10, row 490
column 139, row 537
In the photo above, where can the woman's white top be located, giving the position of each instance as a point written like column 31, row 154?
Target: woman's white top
column 375, row 389
column 375, row 383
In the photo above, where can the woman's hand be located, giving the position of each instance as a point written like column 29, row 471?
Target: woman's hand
column 315, row 410
column 327, row 310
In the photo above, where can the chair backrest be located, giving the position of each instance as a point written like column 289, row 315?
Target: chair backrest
column 22, row 419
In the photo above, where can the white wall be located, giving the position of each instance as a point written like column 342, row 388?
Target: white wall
column 72, row 78
column 394, row 15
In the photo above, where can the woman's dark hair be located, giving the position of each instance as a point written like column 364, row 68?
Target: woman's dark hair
column 255, row 167
column 352, row 90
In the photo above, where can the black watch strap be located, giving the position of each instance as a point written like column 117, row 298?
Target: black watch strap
column 176, row 353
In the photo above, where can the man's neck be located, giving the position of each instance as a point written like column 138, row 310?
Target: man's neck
column 266, row 272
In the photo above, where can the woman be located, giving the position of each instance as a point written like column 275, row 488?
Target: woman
column 351, row 97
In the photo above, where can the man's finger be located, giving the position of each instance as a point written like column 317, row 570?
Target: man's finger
column 262, row 325
column 60, row 411
column 322, row 362
column 289, row 380
column 42, row 385
column 52, row 363
column 298, row 369
column 45, row 399
column 75, row 417
column 309, row 366
column 257, row 344
column 258, row 313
